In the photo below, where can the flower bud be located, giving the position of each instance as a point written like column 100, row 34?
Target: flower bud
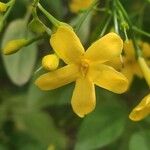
column 77, row 5
column 50, row 62
column 14, row 45
column 145, row 69
column 3, row 7
column 125, row 25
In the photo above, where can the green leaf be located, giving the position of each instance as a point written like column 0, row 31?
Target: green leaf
column 3, row 114
column 140, row 141
column 3, row 147
column 103, row 126
column 40, row 125
column 24, row 141
column 39, row 99
column 147, row 119
column 19, row 66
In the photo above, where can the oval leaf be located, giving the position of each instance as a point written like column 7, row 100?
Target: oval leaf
column 41, row 126
column 19, row 66
column 140, row 141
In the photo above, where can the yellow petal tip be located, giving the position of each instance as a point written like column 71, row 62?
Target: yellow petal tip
column 134, row 116
column 81, row 115
column 40, row 83
column 141, row 110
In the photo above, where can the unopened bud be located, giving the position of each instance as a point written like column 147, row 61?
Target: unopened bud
column 125, row 25
column 145, row 69
column 3, row 7
column 50, row 62
column 80, row 5
column 14, row 45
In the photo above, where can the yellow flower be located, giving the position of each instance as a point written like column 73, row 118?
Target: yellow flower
column 129, row 65
column 141, row 110
column 146, row 51
column 50, row 62
column 85, row 67
column 3, row 7
column 77, row 5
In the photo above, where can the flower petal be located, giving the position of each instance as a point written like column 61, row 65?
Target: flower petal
column 137, row 70
column 128, row 72
column 129, row 50
column 116, row 62
column 66, row 44
column 108, row 78
column 83, row 99
column 146, row 49
column 106, row 48
column 141, row 110
column 57, row 78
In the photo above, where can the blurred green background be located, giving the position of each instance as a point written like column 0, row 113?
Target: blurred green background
column 31, row 119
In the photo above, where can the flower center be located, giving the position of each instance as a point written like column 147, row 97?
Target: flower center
column 84, row 66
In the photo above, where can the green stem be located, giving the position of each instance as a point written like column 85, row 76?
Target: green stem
column 34, row 12
column 103, row 10
column 48, row 30
column 125, row 33
column 85, row 14
column 54, row 21
column 35, row 3
column 36, row 39
column 124, row 24
column 121, row 8
column 39, row 69
column 138, row 51
column 35, row 16
column 9, row 10
column 141, row 31
column 124, row 13
column 9, row 3
column 105, row 26
column 6, row 15
column 115, row 17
